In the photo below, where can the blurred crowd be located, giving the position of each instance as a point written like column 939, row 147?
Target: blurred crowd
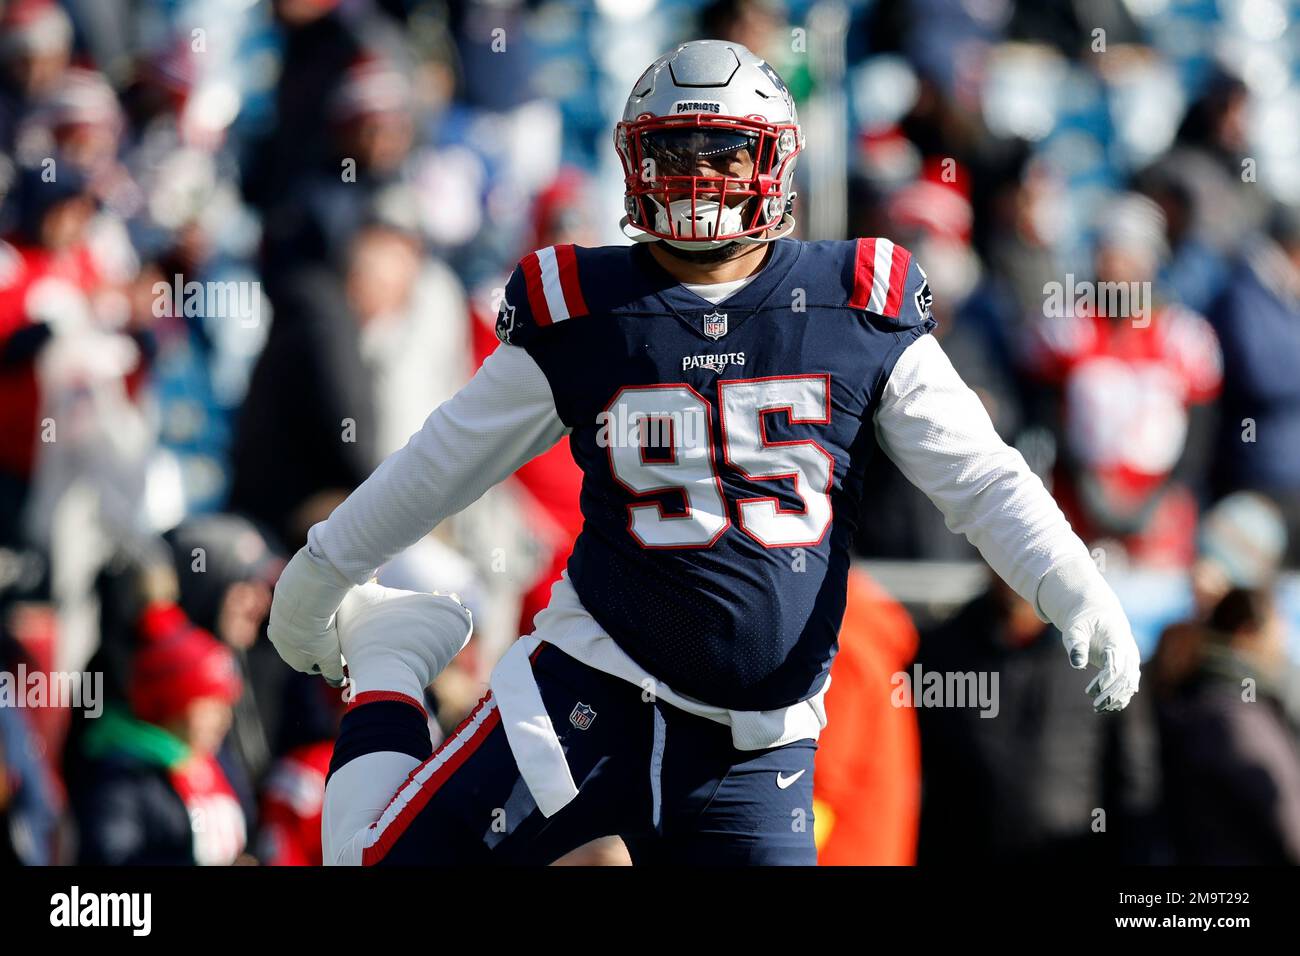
column 248, row 245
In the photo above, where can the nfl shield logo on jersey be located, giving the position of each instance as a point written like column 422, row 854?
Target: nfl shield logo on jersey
column 582, row 716
column 715, row 325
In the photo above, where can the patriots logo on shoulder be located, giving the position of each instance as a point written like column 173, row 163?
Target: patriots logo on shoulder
column 505, row 321
column 715, row 325
column 924, row 299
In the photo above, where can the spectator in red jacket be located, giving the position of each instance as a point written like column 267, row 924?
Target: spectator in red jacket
column 292, row 802
column 293, row 792
column 1129, row 374
column 55, row 346
column 44, row 273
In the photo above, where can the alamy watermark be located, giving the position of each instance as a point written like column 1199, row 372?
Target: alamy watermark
column 78, row 690
column 622, row 427
column 1116, row 300
column 241, row 300
column 966, row 689
column 75, row 908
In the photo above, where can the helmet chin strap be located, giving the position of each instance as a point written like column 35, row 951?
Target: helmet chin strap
column 782, row 229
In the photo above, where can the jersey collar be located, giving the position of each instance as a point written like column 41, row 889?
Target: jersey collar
column 739, row 306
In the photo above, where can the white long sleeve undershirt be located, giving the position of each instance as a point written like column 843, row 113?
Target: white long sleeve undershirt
column 935, row 428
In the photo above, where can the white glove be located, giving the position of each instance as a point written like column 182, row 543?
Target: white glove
column 1076, row 598
column 399, row 640
column 301, row 625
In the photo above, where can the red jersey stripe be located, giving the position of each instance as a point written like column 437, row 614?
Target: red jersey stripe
column 567, row 261
column 532, row 267
column 864, row 272
column 897, row 280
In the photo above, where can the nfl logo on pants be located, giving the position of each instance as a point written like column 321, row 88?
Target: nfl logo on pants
column 715, row 324
column 582, row 716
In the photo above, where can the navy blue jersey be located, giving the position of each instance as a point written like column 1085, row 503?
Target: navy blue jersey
column 722, row 447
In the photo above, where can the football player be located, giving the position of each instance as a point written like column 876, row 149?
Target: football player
column 724, row 388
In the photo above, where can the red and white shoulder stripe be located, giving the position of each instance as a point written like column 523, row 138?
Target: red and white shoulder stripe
column 551, row 277
column 879, row 276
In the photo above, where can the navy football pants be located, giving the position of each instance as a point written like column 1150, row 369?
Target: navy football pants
column 669, row 783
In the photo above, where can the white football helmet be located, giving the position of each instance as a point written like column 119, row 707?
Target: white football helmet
column 705, row 104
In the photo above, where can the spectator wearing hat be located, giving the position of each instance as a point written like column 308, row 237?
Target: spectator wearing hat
column 322, row 40
column 1240, row 544
column 1229, row 755
column 370, row 119
column 154, row 792
column 226, row 570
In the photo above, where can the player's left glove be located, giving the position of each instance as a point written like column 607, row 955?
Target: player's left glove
column 301, row 625
column 1076, row 598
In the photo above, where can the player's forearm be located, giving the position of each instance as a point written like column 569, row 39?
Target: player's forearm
column 502, row 418
column 938, row 433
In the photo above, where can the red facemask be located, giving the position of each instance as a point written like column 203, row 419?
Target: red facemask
column 705, row 177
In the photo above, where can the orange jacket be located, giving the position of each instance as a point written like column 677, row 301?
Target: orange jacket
column 867, row 789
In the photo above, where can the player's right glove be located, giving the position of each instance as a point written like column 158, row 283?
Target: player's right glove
column 301, row 625
column 1076, row 598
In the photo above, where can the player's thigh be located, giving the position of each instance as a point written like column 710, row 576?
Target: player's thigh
column 603, row 727
column 761, row 814
column 469, row 803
